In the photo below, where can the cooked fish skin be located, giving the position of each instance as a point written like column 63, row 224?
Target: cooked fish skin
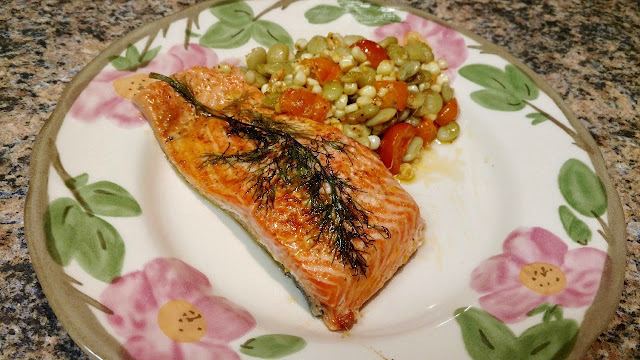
column 334, row 292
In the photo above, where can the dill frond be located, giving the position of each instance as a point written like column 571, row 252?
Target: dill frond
column 287, row 159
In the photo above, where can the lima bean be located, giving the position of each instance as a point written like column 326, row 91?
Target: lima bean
column 332, row 90
column 362, row 114
column 447, row 92
column 256, row 57
column 413, row 150
column 367, row 77
column 417, row 51
column 408, row 70
column 278, row 53
column 317, row 44
column 433, row 101
column 398, row 54
column 382, row 116
column 449, row 132
column 388, row 41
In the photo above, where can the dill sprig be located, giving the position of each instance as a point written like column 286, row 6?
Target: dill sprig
column 286, row 159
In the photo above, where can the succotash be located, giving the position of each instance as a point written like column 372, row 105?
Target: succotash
column 391, row 96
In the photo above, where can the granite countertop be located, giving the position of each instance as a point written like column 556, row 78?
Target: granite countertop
column 589, row 52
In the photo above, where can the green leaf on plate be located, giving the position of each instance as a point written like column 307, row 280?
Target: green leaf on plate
column 323, row 14
column 109, row 199
column 99, row 249
column 62, row 223
column 549, row 340
column 486, row 76
column 497, row 100
column 121, row 63
column 78, row 181
column 132, row 53
column 537, row 118
column 236, row 14
column 150, row 54
column 373, row 15
column 224, row 36
column 272, row 346
column 554, row 311
column 505, row 90
column 94, row 243
column 540, row 309
column 521, row 83
column 268, row 33
column 582, row 188
column 485, row 337
column 577, row 230
column 349, row 4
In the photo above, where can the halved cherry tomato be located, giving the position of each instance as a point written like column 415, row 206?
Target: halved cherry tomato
column 303, row 102
column 448, row 113
column 397, row 95
column 428, row 131
column 323, row 69
column 394, row 144
column 375, row 53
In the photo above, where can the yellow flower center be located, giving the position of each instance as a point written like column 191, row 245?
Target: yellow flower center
column 181, row 321
column 543, row 278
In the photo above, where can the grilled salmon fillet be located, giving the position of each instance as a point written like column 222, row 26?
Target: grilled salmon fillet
column 286, row 227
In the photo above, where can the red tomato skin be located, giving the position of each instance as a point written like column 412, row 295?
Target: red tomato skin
column 397, row 95
column 305, row 103
column 394, row 144
column 323, row 69
column 428, row 131
column 448, row 113
column 374, row 52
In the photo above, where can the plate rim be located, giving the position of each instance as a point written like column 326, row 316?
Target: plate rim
column 98, row 343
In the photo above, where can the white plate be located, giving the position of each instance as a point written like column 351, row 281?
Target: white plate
column 497, row 189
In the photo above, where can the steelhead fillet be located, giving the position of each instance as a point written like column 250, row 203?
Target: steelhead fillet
column 323, row 205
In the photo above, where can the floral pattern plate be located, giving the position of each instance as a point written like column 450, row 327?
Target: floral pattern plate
column 523, row 256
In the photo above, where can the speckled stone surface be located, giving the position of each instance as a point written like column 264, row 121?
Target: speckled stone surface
column 588, row 51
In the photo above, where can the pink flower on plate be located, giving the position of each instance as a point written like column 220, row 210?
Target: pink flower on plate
column 537, row 267
column 167, row 311
column 100, row 97
column 446, row 43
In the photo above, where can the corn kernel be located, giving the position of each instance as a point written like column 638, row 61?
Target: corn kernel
column 351, row 108
column 301, row 44
column 431, row 67
column 368, row 90
column 364, row 100
column 385, row 67
column 350, row 88
column 374, row 142
column 300, row 78
column 346, row 63
column 442, row 63
column 442, row 78
column 358, row 54
column 341, row 103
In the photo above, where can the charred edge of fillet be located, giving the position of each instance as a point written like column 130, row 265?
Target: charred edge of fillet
column 282, row 161
column 316, row 309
